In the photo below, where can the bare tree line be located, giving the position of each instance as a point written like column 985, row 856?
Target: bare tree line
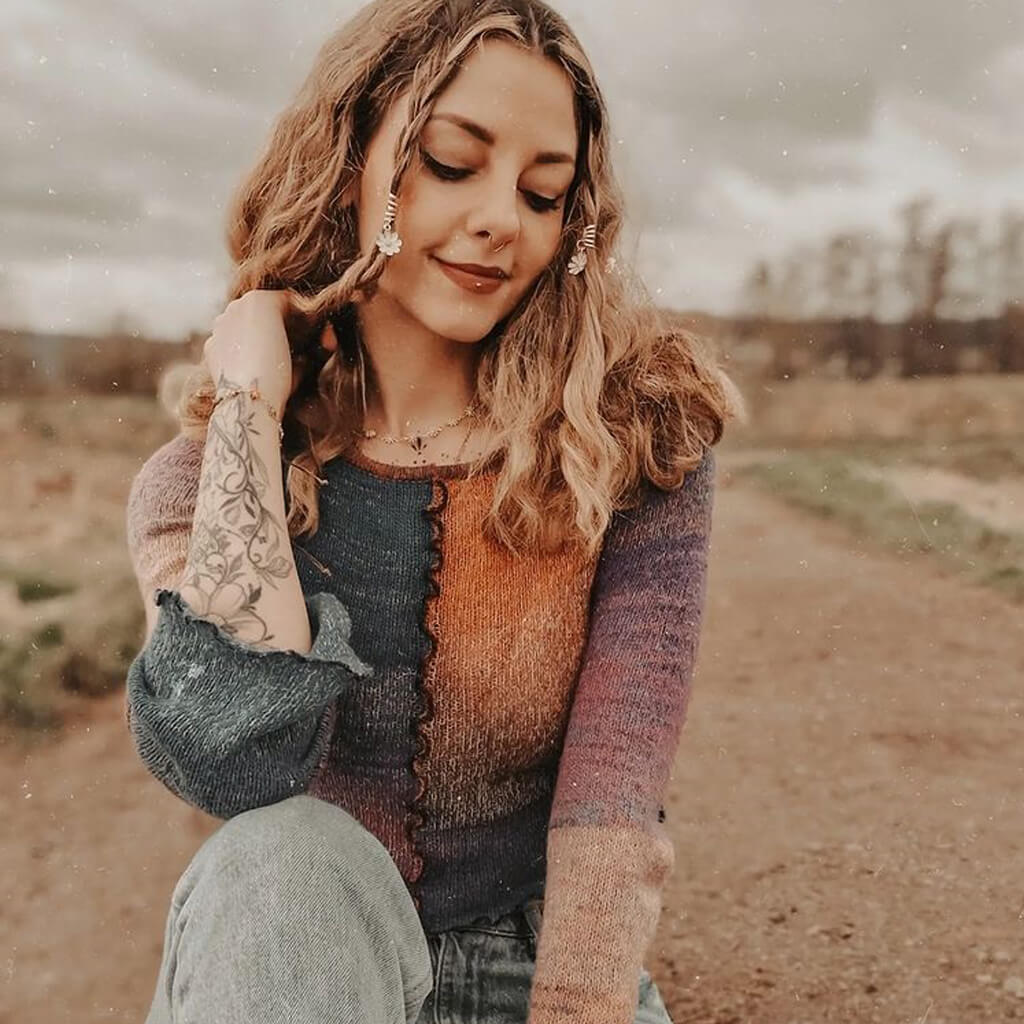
column 957, row 284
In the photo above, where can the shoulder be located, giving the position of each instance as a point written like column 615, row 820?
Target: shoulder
column 655, row 553
column 658, row 514
column 165, row 486
column 696, row 492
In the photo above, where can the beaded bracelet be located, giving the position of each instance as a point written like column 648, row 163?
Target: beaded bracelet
column 256, row 396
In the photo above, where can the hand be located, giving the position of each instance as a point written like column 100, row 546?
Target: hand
column 249, row 346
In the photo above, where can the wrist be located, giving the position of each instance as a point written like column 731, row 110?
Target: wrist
column 274, row 409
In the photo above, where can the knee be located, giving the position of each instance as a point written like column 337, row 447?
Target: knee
column 299, row 836
column 303, row 874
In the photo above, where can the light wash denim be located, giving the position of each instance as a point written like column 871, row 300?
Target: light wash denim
column 294, row 913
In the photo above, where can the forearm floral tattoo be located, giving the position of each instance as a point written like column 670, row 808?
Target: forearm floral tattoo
column 237, row 542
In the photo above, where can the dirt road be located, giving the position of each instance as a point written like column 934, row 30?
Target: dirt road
column 846, row 805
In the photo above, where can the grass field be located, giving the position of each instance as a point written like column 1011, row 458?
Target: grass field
column 845, row 799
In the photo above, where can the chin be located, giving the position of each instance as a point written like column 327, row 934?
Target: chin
column 467, row 337
column 474, row 326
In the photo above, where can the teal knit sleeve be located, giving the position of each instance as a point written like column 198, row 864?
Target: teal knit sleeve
column 228, row 726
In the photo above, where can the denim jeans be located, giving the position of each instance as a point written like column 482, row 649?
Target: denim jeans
column 294, row 913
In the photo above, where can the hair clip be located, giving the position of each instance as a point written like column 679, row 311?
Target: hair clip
column 387, row 240
column 579, row 257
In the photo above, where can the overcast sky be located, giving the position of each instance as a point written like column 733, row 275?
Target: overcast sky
column 742, row 128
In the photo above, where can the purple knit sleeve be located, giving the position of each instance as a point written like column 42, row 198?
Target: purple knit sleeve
column 608, row 855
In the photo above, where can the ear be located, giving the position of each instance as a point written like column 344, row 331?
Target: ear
column 350, row 197
column 328, row 339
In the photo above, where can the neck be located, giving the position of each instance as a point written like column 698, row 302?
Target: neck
column 415, row 379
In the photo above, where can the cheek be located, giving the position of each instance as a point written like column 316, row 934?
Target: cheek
column 426, row 212
column 544, row 244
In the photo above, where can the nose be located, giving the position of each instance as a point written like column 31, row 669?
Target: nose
column 497, row 216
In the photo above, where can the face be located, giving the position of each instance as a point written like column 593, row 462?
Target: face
column 488, row 187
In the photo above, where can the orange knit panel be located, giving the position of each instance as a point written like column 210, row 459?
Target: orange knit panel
column 511, row 631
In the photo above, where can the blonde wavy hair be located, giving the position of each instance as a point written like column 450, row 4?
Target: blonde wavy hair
column 587, row 390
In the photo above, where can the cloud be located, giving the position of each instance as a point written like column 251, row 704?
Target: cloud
column 739, row 129
column 167, row 297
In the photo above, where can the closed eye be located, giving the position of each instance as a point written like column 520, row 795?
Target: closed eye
column 542, row 204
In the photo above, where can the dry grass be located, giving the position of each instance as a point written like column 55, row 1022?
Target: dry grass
column 71, row 617
column 809, row 411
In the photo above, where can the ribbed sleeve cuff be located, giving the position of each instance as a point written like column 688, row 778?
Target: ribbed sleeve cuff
column 602, row 903
column 228, row 726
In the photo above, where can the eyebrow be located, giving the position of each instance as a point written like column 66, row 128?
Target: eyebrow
column 478, row 131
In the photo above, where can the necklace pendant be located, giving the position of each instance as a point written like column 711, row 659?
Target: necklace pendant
column 417, row 444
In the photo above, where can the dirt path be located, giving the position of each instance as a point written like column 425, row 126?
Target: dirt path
column 846, row 804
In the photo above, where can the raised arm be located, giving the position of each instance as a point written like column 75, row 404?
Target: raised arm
column 239, row 571
column 222, row 716
column 608, row 855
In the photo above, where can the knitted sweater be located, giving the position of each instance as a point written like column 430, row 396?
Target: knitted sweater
column 504, row 725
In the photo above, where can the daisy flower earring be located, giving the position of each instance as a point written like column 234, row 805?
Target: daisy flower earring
column 579, row 257
column 387, row 240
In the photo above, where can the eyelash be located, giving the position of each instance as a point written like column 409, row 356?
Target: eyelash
column 541, row 204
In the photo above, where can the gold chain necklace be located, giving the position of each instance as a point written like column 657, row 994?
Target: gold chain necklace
column 417, row 441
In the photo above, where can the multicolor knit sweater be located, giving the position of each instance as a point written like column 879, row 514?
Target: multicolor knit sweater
column 504, row 725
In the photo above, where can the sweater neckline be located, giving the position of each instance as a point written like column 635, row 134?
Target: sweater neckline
column 394, row 471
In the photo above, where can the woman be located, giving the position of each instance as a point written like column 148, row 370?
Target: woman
column 434, row 675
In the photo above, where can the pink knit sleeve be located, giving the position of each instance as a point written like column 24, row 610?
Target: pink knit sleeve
column 608, row 855
column 158, row 518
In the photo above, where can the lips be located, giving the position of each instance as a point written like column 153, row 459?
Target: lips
column 478, row 280
column 477, row 269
